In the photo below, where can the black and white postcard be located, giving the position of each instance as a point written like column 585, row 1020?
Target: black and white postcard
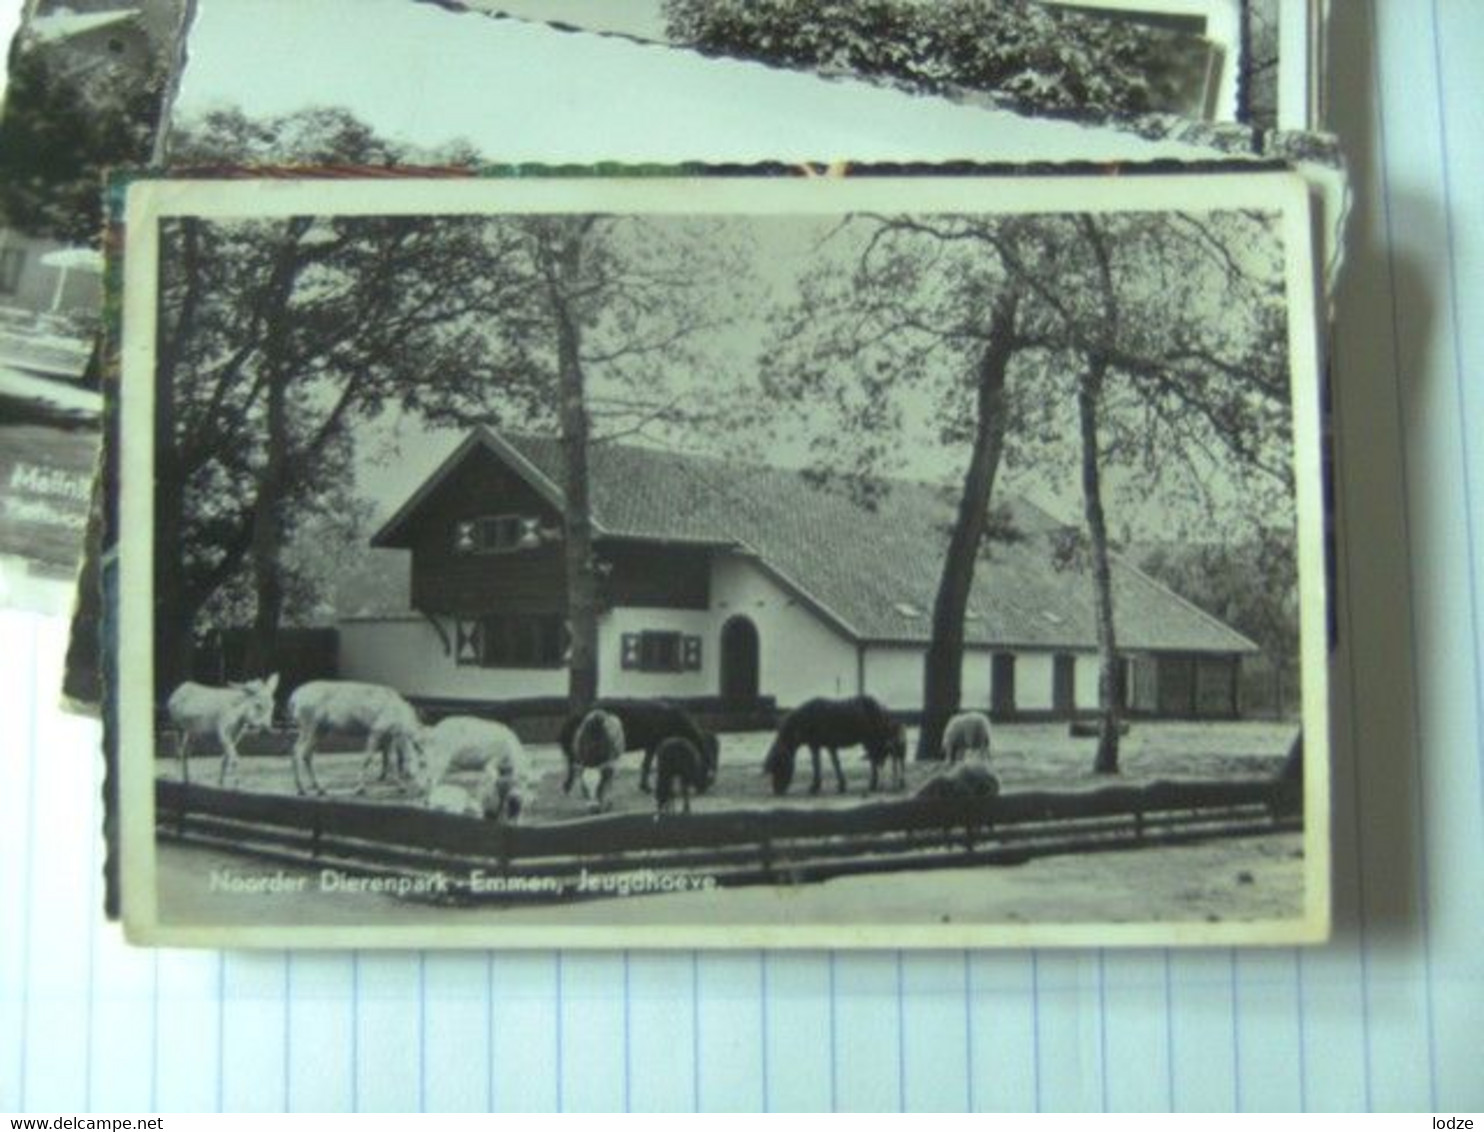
column 722, row 561
column 1229, row 60
column 1049, row 55
column 86, row 87
column 632, row 98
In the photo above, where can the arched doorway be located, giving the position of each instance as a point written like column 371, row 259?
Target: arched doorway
column 739, row 661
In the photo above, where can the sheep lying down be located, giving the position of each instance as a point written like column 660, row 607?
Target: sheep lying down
column 962, row 780
column 507, row 781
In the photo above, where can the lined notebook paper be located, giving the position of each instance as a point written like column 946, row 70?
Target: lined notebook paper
column 1385, row 1018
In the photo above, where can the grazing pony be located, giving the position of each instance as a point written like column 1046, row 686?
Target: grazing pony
column 893, row 752
column 390, row 723
column 967, row 735
column 680, row 768
column 198, row 711
column 597, row 744
column 646, row 724
column 821, row 724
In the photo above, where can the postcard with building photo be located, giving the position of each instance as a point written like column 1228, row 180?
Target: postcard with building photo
column 1084, row 58
column 86, row 85
column 1200, row 58
column 722, row 562
column 242, row 99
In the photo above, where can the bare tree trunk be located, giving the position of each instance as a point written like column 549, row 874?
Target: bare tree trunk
column 1088, row 396
column 269, row 513
column 582, row 591
column 942, row 679
column 173, row 617
column 268, row 537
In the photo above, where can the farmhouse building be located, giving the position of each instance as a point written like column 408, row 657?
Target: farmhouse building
column 719, row 581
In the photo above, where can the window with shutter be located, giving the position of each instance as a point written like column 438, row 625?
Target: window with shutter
column 629, row 658
column 521, row 640
column 691, row 659
column 660, row 652
column 497, row 534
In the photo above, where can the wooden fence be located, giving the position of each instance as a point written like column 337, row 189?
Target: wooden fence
column 475, row 859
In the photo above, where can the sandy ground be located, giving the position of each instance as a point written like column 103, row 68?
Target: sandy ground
column 1246, row 879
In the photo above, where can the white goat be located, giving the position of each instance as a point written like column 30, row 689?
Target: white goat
column 451, row 799
column 507, row 783
column 390, row 723
column 967, row 734
column 199, row 711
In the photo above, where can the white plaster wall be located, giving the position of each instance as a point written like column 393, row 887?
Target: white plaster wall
column 800, row 656
column 1033, row 676
column 613, row 680
column 406, row 653
column 978, row 676
column 894, row 676
column 1086, row 681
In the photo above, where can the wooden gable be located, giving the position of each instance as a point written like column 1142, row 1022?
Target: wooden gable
column 486, row 536
column 459, row 568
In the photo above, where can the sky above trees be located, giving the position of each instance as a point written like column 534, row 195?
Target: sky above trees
column 772, row 260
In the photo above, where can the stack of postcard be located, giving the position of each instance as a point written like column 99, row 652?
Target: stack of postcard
column 689, row 473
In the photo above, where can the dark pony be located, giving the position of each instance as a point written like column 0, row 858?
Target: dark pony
column 680, row 769
column 646, row 724
column 829, row 725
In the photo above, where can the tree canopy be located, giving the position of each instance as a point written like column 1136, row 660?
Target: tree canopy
column 1037, row 53
column 58, row 139
column 1152, row 342
column 277, row 338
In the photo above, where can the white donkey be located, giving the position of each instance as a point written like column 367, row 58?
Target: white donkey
column 389, row 722
column 199, row 711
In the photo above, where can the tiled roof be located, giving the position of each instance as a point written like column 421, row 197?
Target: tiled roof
column 873, row 572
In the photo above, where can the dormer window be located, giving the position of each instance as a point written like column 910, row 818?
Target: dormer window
column 497, row 534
